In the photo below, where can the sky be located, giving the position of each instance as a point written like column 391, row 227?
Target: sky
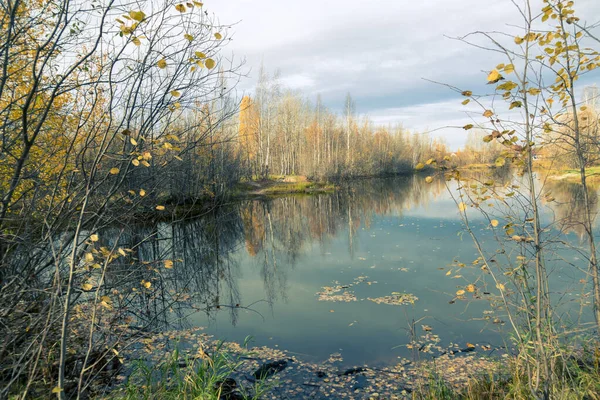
column 381, row 52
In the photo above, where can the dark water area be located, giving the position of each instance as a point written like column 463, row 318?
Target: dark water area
column 255, row 268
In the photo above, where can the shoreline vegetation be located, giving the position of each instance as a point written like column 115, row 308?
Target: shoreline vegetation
column 196, row 365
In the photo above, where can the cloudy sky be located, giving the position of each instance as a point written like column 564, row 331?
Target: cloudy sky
column 380, row 51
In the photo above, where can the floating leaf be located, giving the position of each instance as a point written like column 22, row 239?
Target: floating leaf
column 500, row 286
column 142, row 192
column 460, row 292
column 160, row 208
column 419, row 166
column 57, row 390
column 135, row 162
column 87, row 287
column 114, row 171
column 429, row 179
column 168, row 264
column 133, row 141
column 210, row 63
column 470, row 288
column 147, row 284
column 494, row 223
column 94, row 238
column 89, row 257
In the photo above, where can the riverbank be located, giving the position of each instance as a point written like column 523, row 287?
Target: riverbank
column 570, row 175
column 281, row 185
column 267, row 373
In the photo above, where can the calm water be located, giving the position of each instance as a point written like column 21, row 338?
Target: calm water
column 254, row 269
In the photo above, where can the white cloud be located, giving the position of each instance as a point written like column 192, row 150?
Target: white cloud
column 378, row 51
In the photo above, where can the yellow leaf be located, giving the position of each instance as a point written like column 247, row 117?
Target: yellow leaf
column 429, row 179
column 500, row 161
column 500, row 286
column 160, row 208
column 449, row 273
column 94, row 238
column 133, row 141
column 135, row 162
column 488, row 113
column 114, row 171
column 57, row 390
column 494, row 222
column 470, row 345
column 218, row 36
column 122, row 252
column 509, row 68
column 168, row 264
column 198, row 4
column 146, row 284
column 180, row 8
column 87, row 287
column 460, row 292
column 470, row 288
column 467, row 127
column 462, row 206
column 467, row 93
column 518, row 40
column 89, row 257
column 465, row 102
column 188, row 37
column 162, row 63
column 175, row 93
column 137, row 15
column 142, row 192
column 200, row 54
column 494, row 76
column 210, row 63
column 420, row 166
column 136, row 41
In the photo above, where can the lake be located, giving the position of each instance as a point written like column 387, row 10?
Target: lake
column 256, row 268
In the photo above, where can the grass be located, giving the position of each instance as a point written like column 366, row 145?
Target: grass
column 578, row 380
column 208, row 377
column 477, row 166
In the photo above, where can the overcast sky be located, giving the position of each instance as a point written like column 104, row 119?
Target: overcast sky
column 379, row 51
